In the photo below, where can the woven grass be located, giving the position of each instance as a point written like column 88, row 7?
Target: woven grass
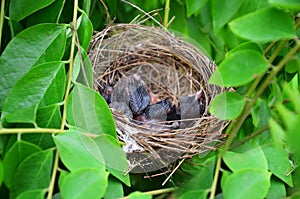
column 171, row 68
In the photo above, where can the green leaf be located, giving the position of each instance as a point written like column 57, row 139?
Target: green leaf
column 139, row 195
column 227, row 105
column 15, row 27
column 225, row 175
column 264, row 25
column 78, row 151
column 1, row 173
column 18, row 10
column 32, row 194
column 293, row 66
column 84, row 183
column 249, row 183
column 84, row 31
column 13, row 158
column 277, row 189
column 289, row 4
column 239, row 67
column 200, row 193
column 48, row 14
column 114, row 189
column 43, row 140
column 180, row 22
column 35, row 88
column 193, row 6
column 246, row 46
column 251, row 159
column 87, row 110
column 83, row 70
column 199, row 170
column 223, row 11
column 277, row 133
column 114, row 156
column 37, row 44
column 278, row 162
column 62, row 175
column 33, row 173
column 49, row 116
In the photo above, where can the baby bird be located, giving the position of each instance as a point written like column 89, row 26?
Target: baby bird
column 190, row 107
column 133, row 92
column 106, row 93
column 139, row 99
column 159, row 110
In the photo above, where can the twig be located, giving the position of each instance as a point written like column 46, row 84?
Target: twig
column 63, row 123
column 166, row 180
column 252, row 135
column 272, row 58
column 247, row 110
column 216, row 176
column 71, row 65
column 30, row 130
column 1, row 20
column 145, row 13
column 166, row 16
column 156, row 192
column 107, row 13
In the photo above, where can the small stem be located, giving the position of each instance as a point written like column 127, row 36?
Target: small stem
column 247, row 111
column 252, row 135
column 166, row 15
column 156, row 192
column 260, row 90
column 270, row 47
column 71, row 65
column 216, row 176
column 63, row 123
column 53, row 177
column 29, row 130
column 1, row 21
column 272, row 58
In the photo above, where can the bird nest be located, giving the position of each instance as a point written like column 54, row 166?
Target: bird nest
column 140, row 69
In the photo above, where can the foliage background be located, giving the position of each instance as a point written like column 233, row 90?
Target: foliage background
column 58, row 136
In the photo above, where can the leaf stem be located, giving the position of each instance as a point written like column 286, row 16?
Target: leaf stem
column 1, row 20
column 68, row 88
column 166, row 14
column 156, row 192
column 216, row 176
column 272, row 58
column 252, row 135
column 53, row 177
column 71, row 65
column 260, row 90
column 247, row 110
column 30, row 130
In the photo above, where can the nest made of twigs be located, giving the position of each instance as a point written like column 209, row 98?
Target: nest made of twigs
column 171, row 68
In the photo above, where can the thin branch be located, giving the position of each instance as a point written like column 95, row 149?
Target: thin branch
column 145, row 13
column 63, row 123
column 53, row 177
column 216, row 176
column 252, row 135
column 272, row 58
column 156, row 192
column 107, row 13
column 166, row 15
column 30, row 130
column 1, row 20
column 71, row 65
column 247, row 110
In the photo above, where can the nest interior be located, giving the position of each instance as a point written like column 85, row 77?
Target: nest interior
column 171, row 68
